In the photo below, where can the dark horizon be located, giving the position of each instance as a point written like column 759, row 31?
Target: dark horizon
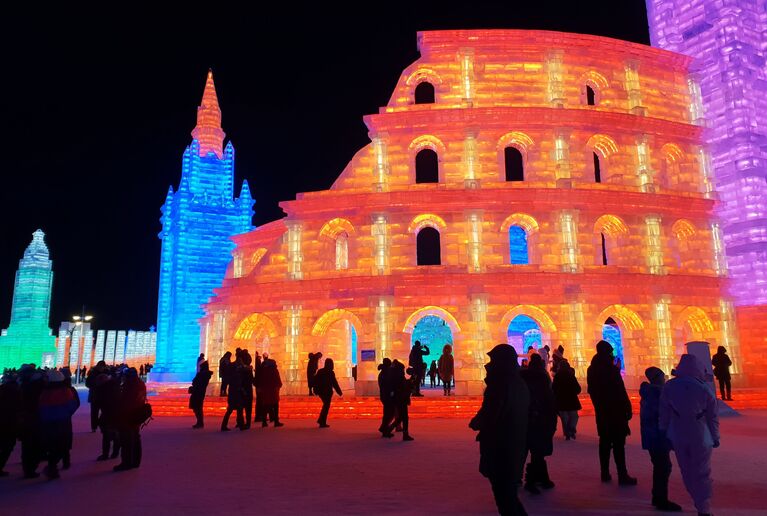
column 98, row 115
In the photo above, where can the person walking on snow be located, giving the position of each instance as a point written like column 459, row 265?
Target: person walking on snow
column 386, row 394
column 324, row 384
column 613, row 412
column 311, row 370
column 197, row 392
column 654, row 439
column 566, row 390
column 688, row 414
column 722, row 363
column 446, row 368
column 541, row 425
column 502, row 425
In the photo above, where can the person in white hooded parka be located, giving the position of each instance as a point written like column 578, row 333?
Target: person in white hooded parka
column 688, row 414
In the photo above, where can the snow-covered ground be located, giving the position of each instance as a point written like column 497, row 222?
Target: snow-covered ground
column 349, row 469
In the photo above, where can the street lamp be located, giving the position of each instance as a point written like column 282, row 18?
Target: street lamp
column 80, row 320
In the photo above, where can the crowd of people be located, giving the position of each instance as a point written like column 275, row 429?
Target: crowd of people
column 37, row 406
column 518, row 419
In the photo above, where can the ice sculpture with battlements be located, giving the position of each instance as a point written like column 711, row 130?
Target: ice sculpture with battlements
column 527, row 187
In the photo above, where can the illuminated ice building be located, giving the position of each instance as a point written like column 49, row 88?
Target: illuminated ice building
column 527, row 187
column 728, row 39
column 197, row 223
column 28, row 339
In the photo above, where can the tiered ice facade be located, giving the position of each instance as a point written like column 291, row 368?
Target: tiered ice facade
column 28, row 338
column 517, row 182
column 728, row 40
column 197, row 223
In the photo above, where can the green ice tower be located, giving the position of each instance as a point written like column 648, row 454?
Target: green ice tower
column 28, row 338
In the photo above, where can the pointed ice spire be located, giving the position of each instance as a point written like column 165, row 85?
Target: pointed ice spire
column 208, row 131
column 37, row 250
column 245, row 192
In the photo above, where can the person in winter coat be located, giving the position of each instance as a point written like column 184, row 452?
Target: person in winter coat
column 433, row 373
column 10, row 413
column 544, row 352
column 324, row 384
column 541, row 425
column 502, row 425
column 106, row 393
column 200, row 360
column 613, row 412
column 268, row 384
column 403, row 388
column 415, row 360
column 247, row 380
column 235, row 397
column 556, row 359
column 130, row 405
column 722, row 363
column 446, row 368
column 386, row 394
column 688, row 414
column 99, row 368
column 566, row 390
column 224, row 372
column 654, row 439
column 311, row 370
column 31, row 440
column 66, row 460
column 56, row 406
column 197, row 392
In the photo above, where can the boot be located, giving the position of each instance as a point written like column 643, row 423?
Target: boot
column 626, row 480
column 530, row 479
column 543, row 477
column 606, row 477
column 407, row 437
column 666, row 505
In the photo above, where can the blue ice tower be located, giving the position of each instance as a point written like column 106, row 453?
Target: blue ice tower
column 197, row 223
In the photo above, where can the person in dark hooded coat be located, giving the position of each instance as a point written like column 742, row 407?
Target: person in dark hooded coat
column 235, row 397
column 402, row 389
column 224, row 371
column 29, row 430
column 56, row 405
column 613, row 412
column 324, row 384
column 247, row 380
column 10, row 410
column 654, row 439
column 131, row 404
column 541, row 424
column 386, row 394
column 106, row 394
column 502, row 425
column 268, row 385
column 311, row 370
column 566, row 390
column 722, row 363
column 197, row 392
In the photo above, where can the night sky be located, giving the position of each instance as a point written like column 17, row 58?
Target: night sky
column 97, row 110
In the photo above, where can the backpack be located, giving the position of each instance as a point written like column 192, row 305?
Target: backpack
column 144, row 414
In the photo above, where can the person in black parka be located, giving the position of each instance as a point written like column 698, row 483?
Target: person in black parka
column 248, row 380
column 29, row 431
column 324, row 384
column 130, row 406
column 722, row 363
column 613, row 412
column 566, row 390
column 502, row 425
column 224, row 372
column 654, row 439
column 235, row 397
column 106, row 394
column 10, row 410
column 541, row 425
column 311, row 370
column 197, row 392
column 386, row 394
column 402, row 389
